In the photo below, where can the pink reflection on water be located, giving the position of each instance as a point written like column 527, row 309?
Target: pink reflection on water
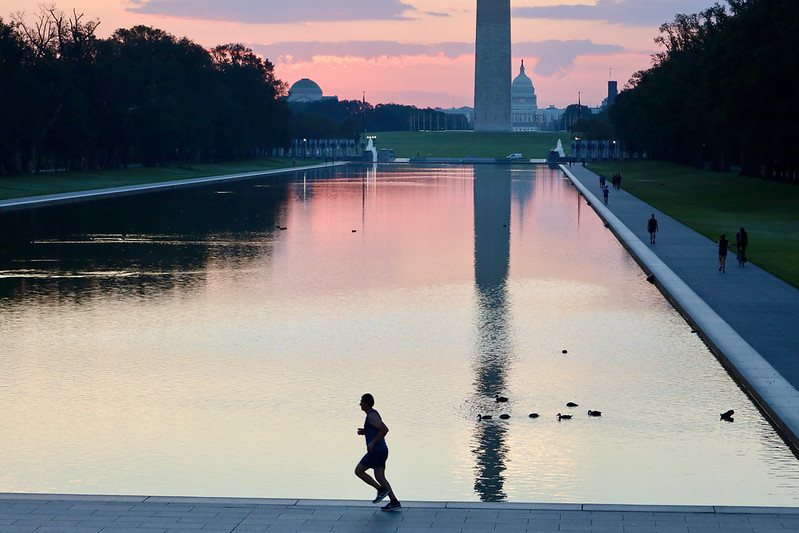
column 414, row 229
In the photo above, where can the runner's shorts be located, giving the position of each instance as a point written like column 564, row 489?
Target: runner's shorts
column 375, row 458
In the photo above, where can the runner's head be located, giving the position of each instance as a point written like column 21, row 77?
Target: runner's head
column 368, row 399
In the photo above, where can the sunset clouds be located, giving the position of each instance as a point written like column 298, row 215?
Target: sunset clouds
column 418, row 52
column 626, row 12
column 552, row 58
column 271, row 12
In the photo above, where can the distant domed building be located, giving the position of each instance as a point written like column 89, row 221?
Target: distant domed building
column 523, row 103
column 305, row 90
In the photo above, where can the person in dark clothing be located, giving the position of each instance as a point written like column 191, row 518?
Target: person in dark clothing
column 723, row 245
column 605, row 194
column 741, row 242
column 652, row 228
column 374, row 431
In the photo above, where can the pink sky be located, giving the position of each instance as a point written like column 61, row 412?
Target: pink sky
column 415, row 52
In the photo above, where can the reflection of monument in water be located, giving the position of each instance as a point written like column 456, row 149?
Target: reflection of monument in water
column 492, row 68
column 492, row 194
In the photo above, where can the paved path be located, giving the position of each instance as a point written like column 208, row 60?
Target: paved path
column 141, row 514
column 748, row 317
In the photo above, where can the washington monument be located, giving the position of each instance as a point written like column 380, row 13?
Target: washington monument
column 492, row 69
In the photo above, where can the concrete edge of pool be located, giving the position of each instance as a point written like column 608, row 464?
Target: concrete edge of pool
column 99, row 513
column 126, row 190
column 774, row 395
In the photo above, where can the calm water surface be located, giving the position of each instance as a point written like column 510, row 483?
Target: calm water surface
column 183, row 343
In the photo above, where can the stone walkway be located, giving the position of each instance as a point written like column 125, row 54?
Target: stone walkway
column 748, row 317
column 140, row 514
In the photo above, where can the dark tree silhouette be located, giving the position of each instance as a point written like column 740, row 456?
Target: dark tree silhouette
column 142, row 96
column 722, row 92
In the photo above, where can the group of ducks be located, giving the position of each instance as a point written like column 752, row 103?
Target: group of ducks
column 505, row 416
column 727, row 415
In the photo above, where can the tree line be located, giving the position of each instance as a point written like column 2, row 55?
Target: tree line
column 348, row 119
column 722, row 93
column 73, row 101
column 142, row 96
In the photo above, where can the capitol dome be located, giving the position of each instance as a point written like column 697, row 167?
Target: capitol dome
column 305, row 90
column 522, row 80
column 523, row 103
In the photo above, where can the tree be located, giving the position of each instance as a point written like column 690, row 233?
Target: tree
column 72, row 136
column 258, row 117
column 16, row 58
column 597, row 127
column 573, row 114
column 722, row 91
column 330, row 119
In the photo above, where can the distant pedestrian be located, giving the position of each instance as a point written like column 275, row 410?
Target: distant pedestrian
column 605, row 193
column 741, row 242
column 602, row 181
column 374, row 430
column 652, row 227
column 723, row 245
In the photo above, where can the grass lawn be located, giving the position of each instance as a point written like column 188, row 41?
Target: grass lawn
column 721, row 202
column 534, row 145
column 50, row 183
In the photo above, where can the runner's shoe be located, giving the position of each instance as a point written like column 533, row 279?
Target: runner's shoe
column 392, row 506
column 381, row 493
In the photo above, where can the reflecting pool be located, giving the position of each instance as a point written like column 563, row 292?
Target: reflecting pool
column 215, row 341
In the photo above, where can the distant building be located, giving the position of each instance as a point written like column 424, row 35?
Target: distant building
column 523, row 104
column 613, row 92
column 466, row 112
column 551, row 113
column 307, row 90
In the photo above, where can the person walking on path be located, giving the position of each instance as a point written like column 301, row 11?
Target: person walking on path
column 652, row 227
column 723, row 244
column 374, row 430
column 605, row 193
column 741, row 242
